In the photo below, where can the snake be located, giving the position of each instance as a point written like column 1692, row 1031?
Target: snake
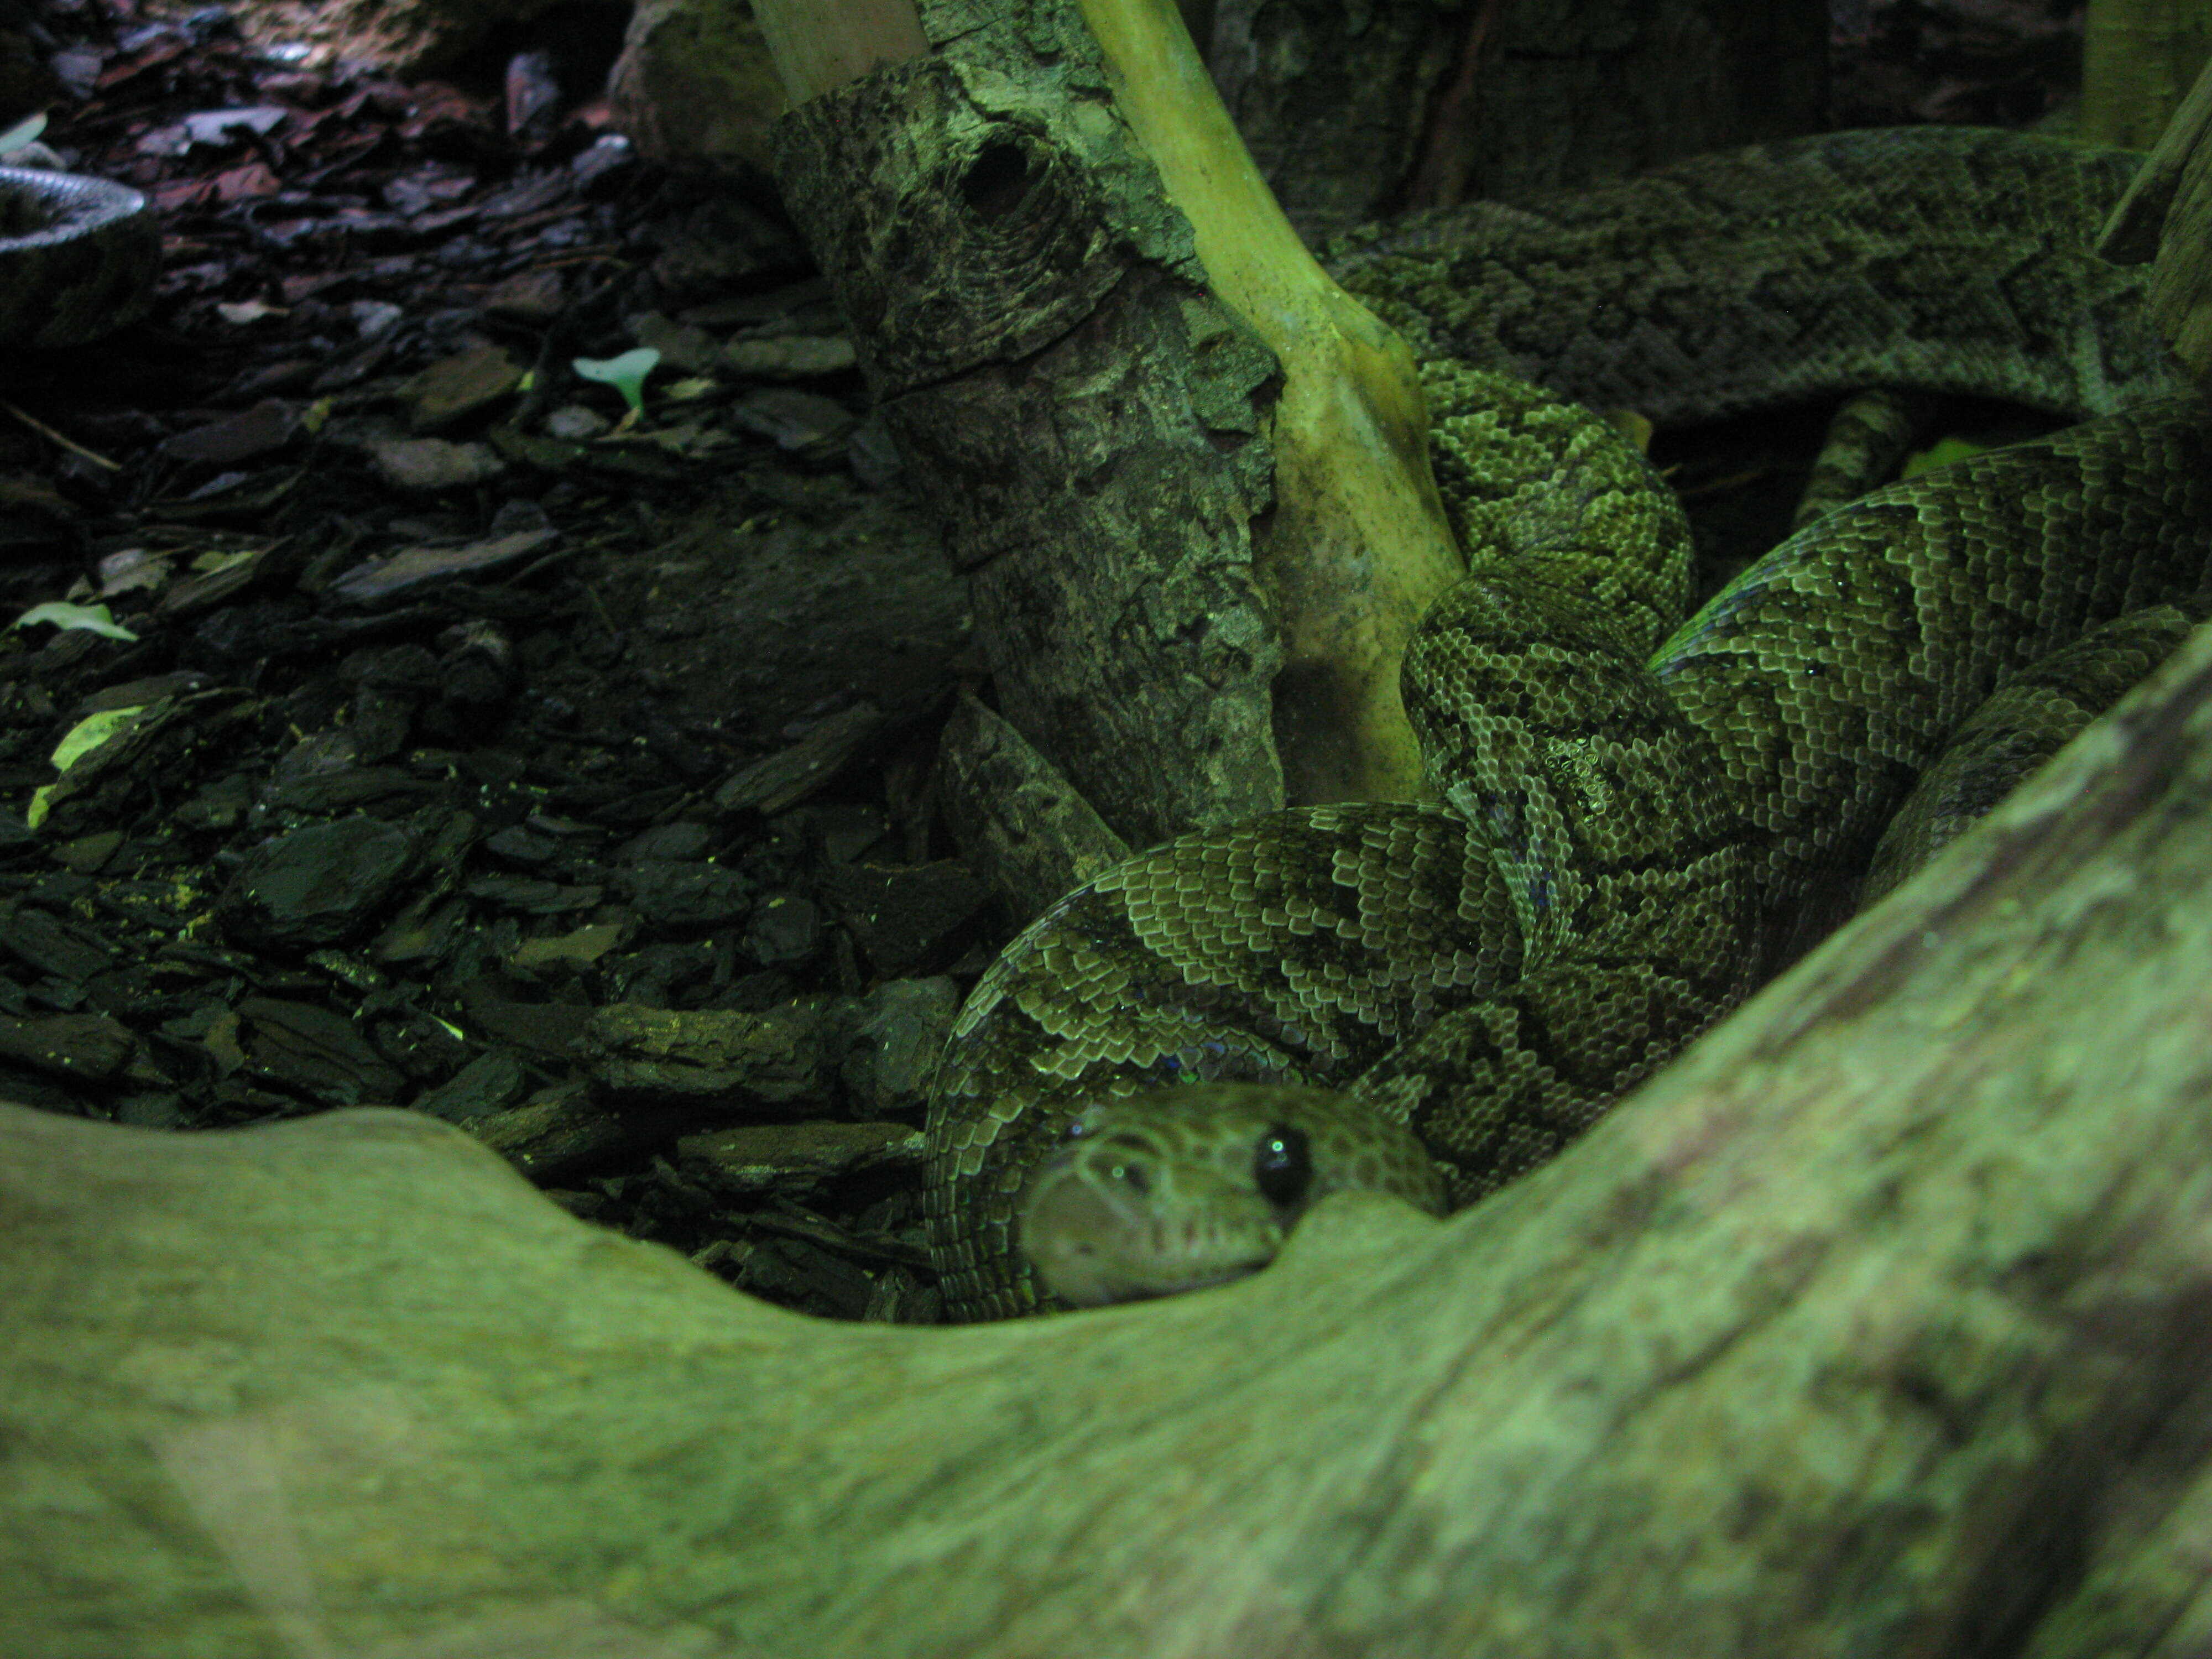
column 78, row 258
column 1636, row 816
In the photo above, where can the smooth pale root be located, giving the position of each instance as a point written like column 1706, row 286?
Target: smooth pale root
column 1358, row 546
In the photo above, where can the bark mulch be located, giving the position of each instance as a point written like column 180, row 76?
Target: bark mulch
column 472, row 748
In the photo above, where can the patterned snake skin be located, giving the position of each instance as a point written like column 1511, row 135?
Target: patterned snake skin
column 78, row 258
column 1640, row 820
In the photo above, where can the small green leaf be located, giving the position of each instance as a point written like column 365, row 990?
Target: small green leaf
column 81, row 739
column 93, row 618
column 89, row 733
column 1945, row 451
column 625, row 373
column 23, row 132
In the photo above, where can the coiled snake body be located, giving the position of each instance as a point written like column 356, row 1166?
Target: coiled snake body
column 78, row 258
column 1640, row 816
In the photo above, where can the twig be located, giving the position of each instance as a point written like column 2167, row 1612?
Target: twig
column 70, row 444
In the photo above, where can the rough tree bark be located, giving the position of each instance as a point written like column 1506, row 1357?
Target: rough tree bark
column 1876, row 1324
column 1081, row 413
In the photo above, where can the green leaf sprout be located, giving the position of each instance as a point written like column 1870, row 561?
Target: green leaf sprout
column 625, row 373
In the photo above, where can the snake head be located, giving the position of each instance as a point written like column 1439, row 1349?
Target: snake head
column 1191, row 1186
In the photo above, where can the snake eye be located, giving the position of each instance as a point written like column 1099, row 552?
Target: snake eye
column 1132, row 1176
column 1282, row 1165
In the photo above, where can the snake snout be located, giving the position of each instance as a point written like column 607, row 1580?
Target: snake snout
column 1122, row 1218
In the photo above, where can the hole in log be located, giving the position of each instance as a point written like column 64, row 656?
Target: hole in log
column 997, row 180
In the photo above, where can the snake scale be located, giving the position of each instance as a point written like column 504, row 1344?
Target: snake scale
column 1638, row 818
column 78, row 258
